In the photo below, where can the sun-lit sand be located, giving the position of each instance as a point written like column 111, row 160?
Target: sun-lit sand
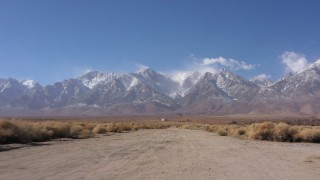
column 161, row 154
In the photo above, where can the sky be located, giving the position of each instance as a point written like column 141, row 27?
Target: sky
column 49, row 41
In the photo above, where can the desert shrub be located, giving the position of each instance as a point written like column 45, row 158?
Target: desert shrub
column 135, row 127
column 19, row 131
column 262, row 131
column 33, row 132
column 124, row 127
column 161, row 126
column 25, row 132
column 60, row 129
column 99, row 129
column 8, row 132
column 241, row 132
column 145, row 126
column 222, row 132
column 212, row 128
column 152, row 125
column 76, row 130
column 113, row 127
column 284, row 132
column 191, row 126
column 46, row 134
column 86, row 134
column 308, row 135
column 88, row 126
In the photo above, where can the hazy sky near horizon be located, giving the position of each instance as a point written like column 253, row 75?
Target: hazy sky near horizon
column 50, row 41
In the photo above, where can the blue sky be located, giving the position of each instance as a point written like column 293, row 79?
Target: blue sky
column 52, row 40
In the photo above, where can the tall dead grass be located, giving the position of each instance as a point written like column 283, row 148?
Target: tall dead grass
column 25, row 132
column 264, row 131
column 18, row 131
column 284, row 132
column 15, row 131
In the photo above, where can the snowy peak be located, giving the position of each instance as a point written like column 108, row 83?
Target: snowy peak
column 185, row 78
column 93, row 78
column 30, row 84
column 235, row 85
column 303, row 85
column 189, row 81
column 97, row 79
column 7, row 84
column 157, row 81
column 312, row 67
column 312, row 72
column 230, row 76
column 262, row 80
column 147, row 72
column 150, row 91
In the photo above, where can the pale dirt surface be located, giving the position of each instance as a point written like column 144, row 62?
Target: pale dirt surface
column 163, row 154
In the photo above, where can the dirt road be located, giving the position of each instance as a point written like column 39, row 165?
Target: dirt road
column 162, row 154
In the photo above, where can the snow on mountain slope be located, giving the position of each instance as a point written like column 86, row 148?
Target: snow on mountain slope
column 66, row 92
column 262, row 80
column 157, row 81
column 304, row 83
column 30, row 83
column 206, row 88
column 95, row 78
column 148, row 91
column 235, row 85
column 186, row 81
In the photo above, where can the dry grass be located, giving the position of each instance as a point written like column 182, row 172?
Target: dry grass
column 100, row 129
column 263, row 131
column 25, row 132
column 222, row 132
column 18, row 131
column 190, row 126
column 284, row 132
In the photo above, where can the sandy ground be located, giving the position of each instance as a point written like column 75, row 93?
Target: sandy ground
column 162, row 154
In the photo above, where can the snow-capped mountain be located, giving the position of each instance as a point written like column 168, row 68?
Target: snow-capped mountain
column 262, row 80
column 304, row 83
column 157, row 81
column 10, row 89
column 185, row 80
column 235, row 85
column 148, row 91
column 303, row 87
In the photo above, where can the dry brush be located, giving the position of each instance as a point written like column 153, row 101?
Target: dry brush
column 18, row 131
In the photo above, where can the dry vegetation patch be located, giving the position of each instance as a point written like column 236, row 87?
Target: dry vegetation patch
column 19, row 131
column 263, row 131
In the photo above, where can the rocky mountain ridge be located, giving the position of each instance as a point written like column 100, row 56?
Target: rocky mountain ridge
column 150, row 92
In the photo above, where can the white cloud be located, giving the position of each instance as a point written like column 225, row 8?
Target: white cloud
column 261, row 77
column 141, row 67
column 85, row 71
column 228, row 63
column 179, row 76
column 212, row 65
column 294, row 62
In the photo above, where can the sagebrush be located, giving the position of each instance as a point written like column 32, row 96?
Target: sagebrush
column 27, row 131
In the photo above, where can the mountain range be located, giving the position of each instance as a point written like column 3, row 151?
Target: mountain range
column 148, row 92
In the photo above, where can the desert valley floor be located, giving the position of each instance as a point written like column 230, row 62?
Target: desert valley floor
column 161, row 154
